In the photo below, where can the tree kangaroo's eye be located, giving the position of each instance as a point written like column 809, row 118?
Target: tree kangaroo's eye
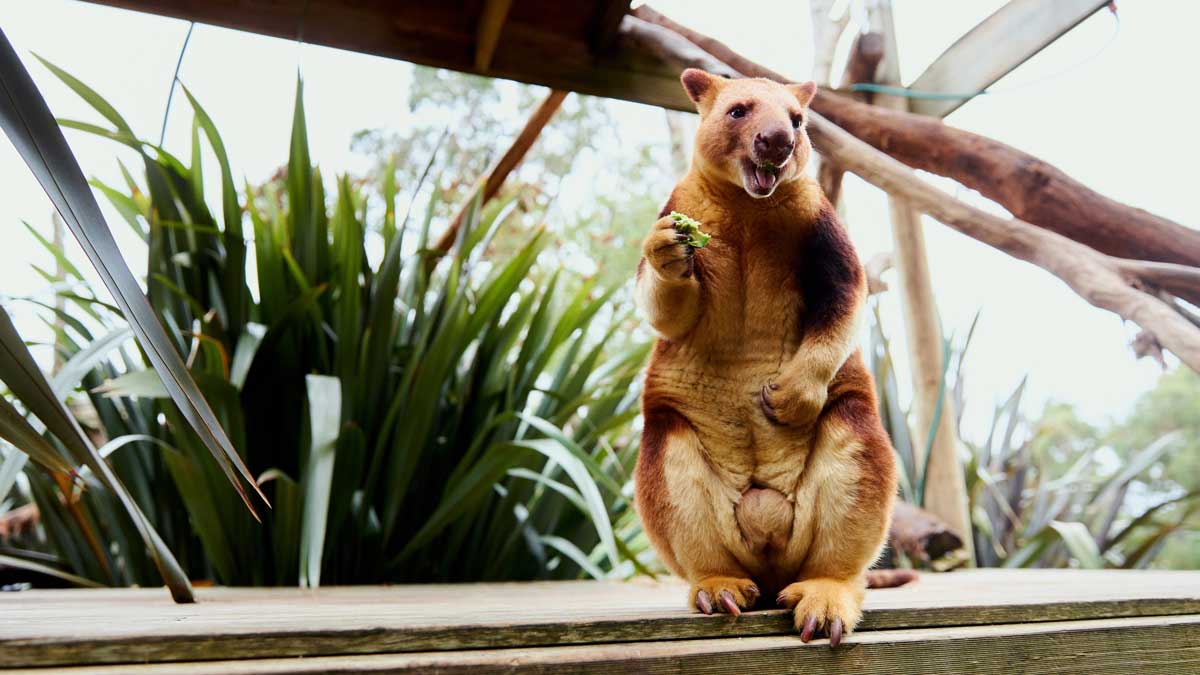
column 796, row 121
column 737, row 112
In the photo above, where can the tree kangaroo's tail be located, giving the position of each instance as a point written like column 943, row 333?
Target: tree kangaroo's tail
column 889, row 578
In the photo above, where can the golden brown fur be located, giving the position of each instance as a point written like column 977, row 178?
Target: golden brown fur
column 764, row 468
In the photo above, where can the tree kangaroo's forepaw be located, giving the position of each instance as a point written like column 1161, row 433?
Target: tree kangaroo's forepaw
column 824, row 607
column 724, row 594
column 792, row 404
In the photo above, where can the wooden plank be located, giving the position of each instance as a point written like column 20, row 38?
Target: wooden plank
column 45, row 628
column 1146, row 646
column 992, row 49
column 487, row 35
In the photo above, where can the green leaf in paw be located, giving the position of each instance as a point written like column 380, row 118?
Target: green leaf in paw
column 690, row 227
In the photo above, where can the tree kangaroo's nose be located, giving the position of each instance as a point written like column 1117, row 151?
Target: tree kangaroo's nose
column 774, row 144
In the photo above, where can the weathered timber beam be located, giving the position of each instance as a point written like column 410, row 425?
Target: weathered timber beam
column 1095, row 276
column 1029, row 188
column 606, row 23
column 502, row 167
column 995, row 47
column 441, row 35
column 487, row 34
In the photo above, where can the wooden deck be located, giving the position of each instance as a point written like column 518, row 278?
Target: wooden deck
column 982, row 621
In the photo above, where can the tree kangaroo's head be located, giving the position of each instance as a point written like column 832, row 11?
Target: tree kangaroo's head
column 751, row 131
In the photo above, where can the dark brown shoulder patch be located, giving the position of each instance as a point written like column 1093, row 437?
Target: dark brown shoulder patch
column 830, row 273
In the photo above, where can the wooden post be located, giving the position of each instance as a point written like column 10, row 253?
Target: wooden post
column 945, row 489
column 680, row 147
column 487, row 33
column 826, row 32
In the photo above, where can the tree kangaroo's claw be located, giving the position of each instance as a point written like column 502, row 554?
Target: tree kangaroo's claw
column 704, row 603
column 764, row 400
column 835, row 633
column 810, row 627
column 730, row 604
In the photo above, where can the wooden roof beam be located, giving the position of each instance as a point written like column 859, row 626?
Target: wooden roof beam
column 607, row 22
column 994, row 48
column 487, row 35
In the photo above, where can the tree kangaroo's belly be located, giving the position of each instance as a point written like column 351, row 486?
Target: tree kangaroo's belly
column 740, row 343
column 718, row 389
column 714, row 378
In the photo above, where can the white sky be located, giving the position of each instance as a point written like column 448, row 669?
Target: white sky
column 1070, row 105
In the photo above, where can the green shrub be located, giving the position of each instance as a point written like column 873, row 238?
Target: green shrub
column 430, row 417
column 1040, row 493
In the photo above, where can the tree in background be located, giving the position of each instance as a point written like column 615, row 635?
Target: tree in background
column 596, row 190
column 1059, row 491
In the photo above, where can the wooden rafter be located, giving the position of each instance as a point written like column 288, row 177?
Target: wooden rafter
column 607, row 22
column 545, row 42
column 487, row 34
column 992, row 49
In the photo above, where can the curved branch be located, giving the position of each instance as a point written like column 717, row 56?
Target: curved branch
column 1029, row 188
column 1095, row 276
column 1180, row 280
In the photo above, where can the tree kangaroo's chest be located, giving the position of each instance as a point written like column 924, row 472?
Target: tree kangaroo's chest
column 754, row 307
column 751, row 325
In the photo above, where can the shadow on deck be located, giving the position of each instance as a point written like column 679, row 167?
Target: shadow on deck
column 979, row 621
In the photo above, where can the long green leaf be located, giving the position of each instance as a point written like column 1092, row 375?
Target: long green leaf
column 1080, row 543
column 28, row 122
column 324, row 414
column 572, row 551
column 136, row 384
column 31, row 566
column 20, row 433
column 934, row 423
column 84, row 361
column 14, row 462
column 234, row 271
column 19, row 371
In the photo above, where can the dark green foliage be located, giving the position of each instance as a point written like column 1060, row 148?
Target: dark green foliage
column 408, row 421
column 1056, row 491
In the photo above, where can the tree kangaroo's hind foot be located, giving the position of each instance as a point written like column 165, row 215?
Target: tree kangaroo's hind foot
column 724, row 594
column 829, row 607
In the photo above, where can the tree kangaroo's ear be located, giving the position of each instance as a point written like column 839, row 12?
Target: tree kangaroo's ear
column 804, row 92
column 701, row 87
